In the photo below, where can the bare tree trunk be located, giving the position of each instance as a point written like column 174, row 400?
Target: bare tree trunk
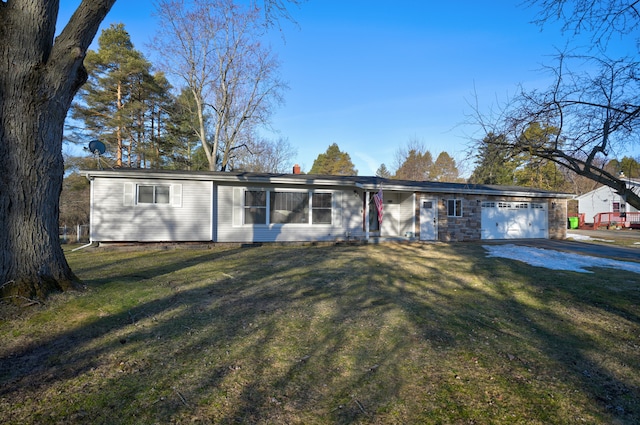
column 120, row 146
column 38, row 79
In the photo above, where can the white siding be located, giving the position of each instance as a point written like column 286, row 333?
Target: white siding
column 597, row 201
column 346, row 219
column 407, row 213
column 398, row 214
column 117, row 217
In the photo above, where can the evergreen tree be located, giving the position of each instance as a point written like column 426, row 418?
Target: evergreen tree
column 626, row 167
column 533, row 171
column 383, row 171
column 445, row 169
column 334, row 162
column 182, row 142
column 113, row 101
column 493, row 164
column 416, row 166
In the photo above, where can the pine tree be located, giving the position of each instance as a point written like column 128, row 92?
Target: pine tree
column 533, row 171
column 383, row 172
column 112, row 102
column 416, row 166
column 334, row 162
column 445, row 169
column 493, row 165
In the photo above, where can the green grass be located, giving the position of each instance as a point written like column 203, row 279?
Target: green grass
column 377, row 334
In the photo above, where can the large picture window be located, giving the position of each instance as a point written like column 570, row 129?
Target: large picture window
column 321, row 208
column 454, row 208
column 255, row 207
column 289, row 207
column 154, row 194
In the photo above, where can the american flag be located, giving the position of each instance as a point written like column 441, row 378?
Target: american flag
column 377, row 198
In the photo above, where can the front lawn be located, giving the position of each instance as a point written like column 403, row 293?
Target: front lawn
column 373, row 334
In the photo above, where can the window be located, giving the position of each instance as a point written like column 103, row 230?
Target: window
column 488, row 205
column 255, row 207
column 321, row 208
column 616, row 207
column 454, row 208
column 263, row 206
column 289, row 207
column 154, row 194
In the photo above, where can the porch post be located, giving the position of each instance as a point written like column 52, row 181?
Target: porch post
column 366, row 215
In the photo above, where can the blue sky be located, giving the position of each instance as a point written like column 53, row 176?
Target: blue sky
column 373, row 75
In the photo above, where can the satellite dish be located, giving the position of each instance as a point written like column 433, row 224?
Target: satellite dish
column 97, row 147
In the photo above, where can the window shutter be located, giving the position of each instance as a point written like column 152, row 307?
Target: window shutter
column 238, row 204
column 129, row 194
column 336, row 208
column 176, row 195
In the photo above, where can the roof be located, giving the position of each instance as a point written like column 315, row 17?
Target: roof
column 630, row 182
column 361, row 182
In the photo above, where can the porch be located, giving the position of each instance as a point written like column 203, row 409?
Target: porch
column 615, row 220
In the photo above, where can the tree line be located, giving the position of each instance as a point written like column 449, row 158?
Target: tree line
column 412, row 162
column 228, row 85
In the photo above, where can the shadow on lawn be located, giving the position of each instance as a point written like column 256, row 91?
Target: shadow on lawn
column 327, row 335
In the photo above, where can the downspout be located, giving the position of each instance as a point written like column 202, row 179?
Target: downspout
column 83, row 246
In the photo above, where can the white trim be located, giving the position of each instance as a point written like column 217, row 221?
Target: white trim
column 213, row 216
column 366, row 215
column 91, row 210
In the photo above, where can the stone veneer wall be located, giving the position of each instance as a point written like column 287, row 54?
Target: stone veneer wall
column 468, row 227
column 460, row 229
column 557, row 218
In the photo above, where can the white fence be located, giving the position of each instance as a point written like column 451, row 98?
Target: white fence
column 73, row 234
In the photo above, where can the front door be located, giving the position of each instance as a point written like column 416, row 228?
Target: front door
column 428, row 219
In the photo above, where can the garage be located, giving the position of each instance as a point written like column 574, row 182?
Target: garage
column 513, row 220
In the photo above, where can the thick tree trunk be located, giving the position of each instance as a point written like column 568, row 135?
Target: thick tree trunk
column 38, row 80
column 31, row 260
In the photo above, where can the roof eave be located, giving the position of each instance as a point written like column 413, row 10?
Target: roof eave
column 307, row 180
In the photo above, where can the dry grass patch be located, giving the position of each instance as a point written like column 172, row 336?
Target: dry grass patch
column 374, row 334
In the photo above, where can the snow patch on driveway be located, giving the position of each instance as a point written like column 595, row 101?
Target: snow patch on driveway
column 557, row 260
column 577, row 237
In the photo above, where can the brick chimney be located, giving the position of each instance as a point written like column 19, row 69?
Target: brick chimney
column 296, row 169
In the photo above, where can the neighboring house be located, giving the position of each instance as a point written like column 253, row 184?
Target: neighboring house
column 136, row 205
column 604, row 200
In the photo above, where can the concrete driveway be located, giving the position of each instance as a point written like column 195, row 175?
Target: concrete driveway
column 586, row 247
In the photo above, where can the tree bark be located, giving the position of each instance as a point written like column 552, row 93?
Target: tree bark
column 38, row 80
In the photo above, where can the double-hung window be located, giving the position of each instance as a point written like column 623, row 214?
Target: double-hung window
column 454, row 208
column 321, row 208
column 255, row 207
column 154, row 194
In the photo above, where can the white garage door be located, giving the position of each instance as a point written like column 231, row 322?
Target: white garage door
column 514, row 220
